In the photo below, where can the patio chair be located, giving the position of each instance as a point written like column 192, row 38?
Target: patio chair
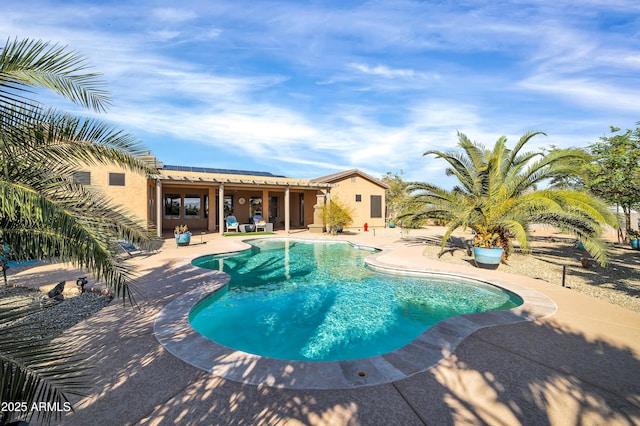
column 232, row 223
column 129, row 248
column 259, row 223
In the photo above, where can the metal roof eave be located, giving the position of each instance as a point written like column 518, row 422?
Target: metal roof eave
column 246, row 182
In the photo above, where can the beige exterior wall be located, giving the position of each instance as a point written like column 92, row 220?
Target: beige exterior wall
column 310, row 198
column 346, row 191
column 133, row 196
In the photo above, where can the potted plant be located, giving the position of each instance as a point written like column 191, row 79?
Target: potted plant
column 182, row 235
column 488, row 249
column 634, row 238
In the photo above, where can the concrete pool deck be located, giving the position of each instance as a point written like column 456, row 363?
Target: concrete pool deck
column 580, row 365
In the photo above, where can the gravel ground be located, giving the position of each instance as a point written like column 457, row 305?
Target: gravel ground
column 51, row 318
column 617, row 283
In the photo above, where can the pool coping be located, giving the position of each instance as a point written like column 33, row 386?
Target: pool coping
column 174, row 332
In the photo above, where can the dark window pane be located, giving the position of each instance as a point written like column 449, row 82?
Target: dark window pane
column 82, row 178
column 172, row 206
column 191, row 206
column 116, row 179
column 376, row 206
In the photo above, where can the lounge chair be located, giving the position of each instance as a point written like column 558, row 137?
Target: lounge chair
column 129, row 248
column 232, row 223
column 259, row 223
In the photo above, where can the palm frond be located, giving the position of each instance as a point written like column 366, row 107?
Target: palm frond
column 31, row 368
column 35, row 63
column 497, row 194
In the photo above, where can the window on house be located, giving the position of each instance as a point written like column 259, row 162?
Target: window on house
column 172, row 206
column 152, row 204
column 301, row 209
column 358, row 198
column 274, row 209
column 228, row 205
column 206, row 206
column 191, row 206
column 255, row 206
column 116, row 179
column 82, row 178
column 376, row 206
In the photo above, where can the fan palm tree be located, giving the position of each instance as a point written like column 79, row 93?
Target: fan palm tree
column 44, row 213
column 497, row 196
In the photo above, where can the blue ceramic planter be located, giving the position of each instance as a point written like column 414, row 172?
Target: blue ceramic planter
column 487, row 258
column 183, row 239
column 635, row 244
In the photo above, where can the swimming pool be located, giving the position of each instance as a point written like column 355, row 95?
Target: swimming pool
column 317, row 301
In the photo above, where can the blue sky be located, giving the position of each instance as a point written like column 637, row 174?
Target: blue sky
column 306, row 89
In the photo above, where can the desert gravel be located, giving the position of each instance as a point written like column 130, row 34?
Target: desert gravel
column 617, row 283
column 52, row 318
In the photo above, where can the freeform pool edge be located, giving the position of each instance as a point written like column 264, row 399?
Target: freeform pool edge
column 174, row 332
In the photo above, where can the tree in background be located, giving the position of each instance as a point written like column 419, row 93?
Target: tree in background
column 46, row 215
column 497, row 196
column 395, row 195
column 614, row 174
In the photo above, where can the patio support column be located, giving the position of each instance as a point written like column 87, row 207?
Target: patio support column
column 318, row 222
column 327, row 201
column 221, row 208
column 159, row 205
column 287, row 210
column 265, row 205
column 211, row 208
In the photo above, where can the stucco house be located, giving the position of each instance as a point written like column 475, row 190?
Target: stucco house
column 365, row 194
column 179, row 195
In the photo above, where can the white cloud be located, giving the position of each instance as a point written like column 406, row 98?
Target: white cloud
column 173, row 15
column 165, row 35
column 386, row 72
column 586, row 92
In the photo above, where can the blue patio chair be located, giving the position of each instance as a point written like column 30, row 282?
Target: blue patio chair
column 232, row 223
column 128, row 247
column 259, row 223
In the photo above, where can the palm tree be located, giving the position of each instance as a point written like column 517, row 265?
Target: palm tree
column 45, row 214
column 498, row 198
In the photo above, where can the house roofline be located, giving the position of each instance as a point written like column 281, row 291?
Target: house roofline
column 340, row 175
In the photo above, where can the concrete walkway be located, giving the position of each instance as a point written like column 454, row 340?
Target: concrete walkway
column 580, row 365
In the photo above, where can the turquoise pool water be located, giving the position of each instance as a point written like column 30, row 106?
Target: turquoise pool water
column 312, row 301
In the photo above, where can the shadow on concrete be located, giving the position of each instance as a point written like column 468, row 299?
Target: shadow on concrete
column 533, row 373
column 547, row 375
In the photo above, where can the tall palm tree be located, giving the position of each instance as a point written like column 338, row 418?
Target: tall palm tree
column 498, row 196
column 44, row 213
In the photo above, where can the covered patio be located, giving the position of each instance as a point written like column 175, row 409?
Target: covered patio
column 193, row 198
